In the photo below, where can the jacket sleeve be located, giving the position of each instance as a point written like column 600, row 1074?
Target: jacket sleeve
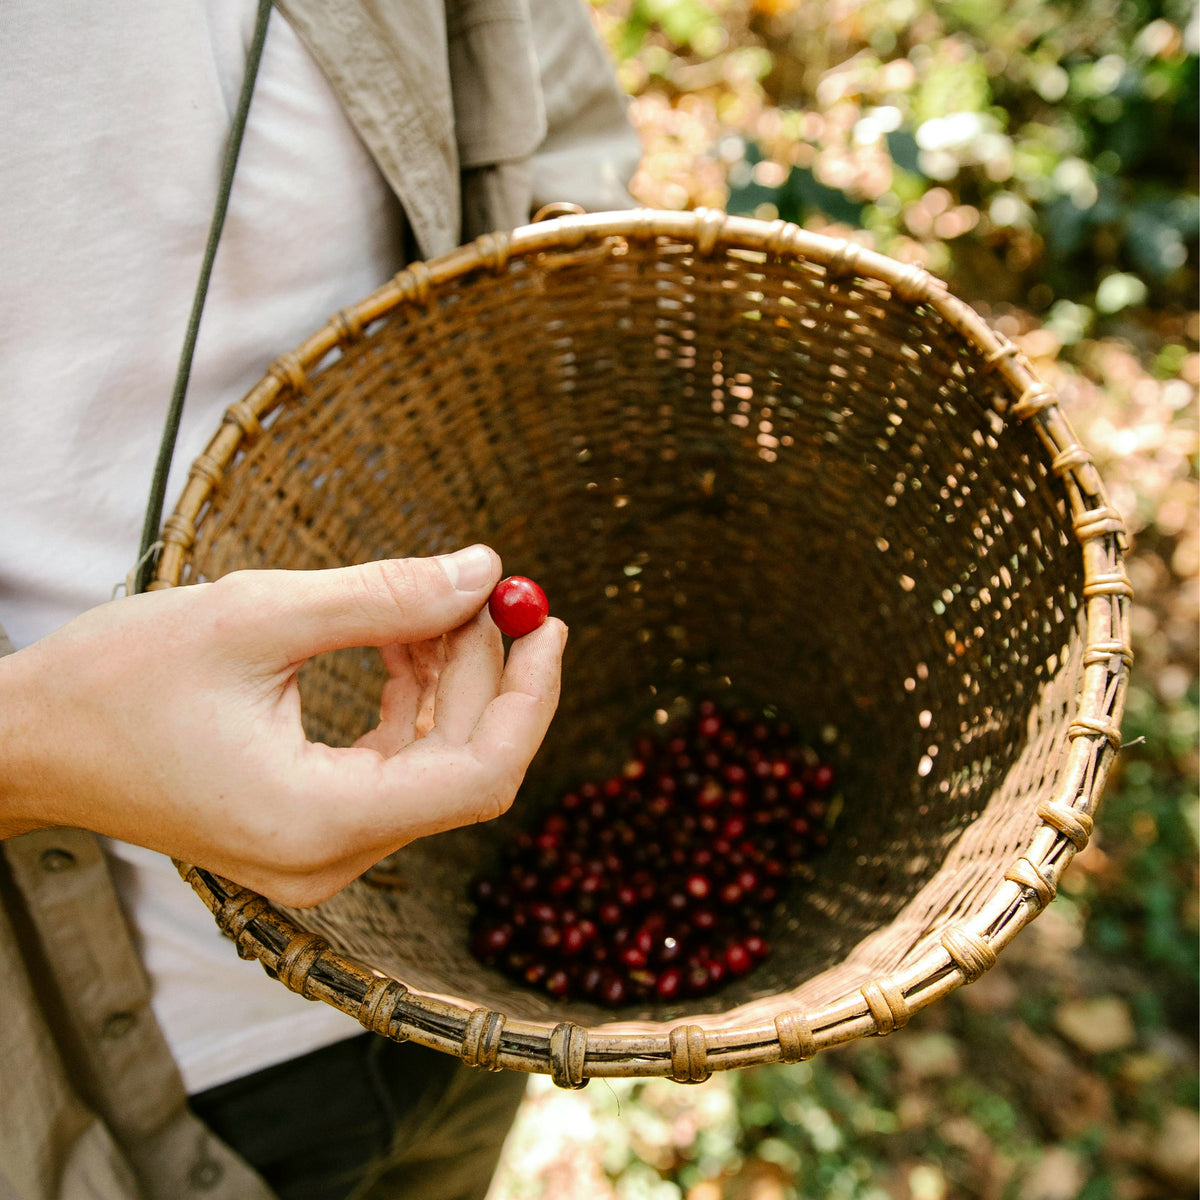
column 591, row 149
column 586, row 150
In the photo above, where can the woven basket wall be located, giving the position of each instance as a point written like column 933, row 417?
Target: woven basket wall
column 743, row 460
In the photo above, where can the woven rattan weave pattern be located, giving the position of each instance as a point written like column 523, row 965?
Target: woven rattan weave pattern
column 746, row 461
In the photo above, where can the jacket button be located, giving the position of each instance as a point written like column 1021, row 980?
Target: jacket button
column 205, row 1174
column 117, row 1025
column 56, row 860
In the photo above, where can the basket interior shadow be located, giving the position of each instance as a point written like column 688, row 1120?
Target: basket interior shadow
column 744, row 462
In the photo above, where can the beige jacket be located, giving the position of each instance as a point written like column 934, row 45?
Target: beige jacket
column 477, row 112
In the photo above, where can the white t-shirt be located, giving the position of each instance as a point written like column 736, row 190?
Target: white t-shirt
column 117, row 116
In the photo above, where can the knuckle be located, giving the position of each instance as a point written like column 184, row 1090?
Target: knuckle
column 502, row 802
column 395, row 581
column 499, row 790
column 234, row 601
column 240, row 588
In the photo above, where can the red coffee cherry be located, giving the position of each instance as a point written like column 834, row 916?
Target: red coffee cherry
column 738, row 959
column 659, row 883
column 518, row 606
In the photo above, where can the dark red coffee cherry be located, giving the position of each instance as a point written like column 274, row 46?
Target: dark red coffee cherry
column 658, row 883
column 518, row 606
column 823, row 777
column 670, row 983
column 738, row 959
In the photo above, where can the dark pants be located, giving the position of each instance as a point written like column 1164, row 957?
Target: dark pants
column 368, row 1119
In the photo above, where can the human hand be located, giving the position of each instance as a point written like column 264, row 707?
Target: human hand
column 172, row 720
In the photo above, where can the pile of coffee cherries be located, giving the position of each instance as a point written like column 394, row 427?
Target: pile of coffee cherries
column 658, row 884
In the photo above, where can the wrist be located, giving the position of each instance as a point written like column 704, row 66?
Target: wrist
column 27, row 754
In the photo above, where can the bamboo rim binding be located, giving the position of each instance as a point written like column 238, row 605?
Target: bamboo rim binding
column 954, row 954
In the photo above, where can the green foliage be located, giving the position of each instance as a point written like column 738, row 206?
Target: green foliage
column 1150, row 825
column 1065, row 131
column 799, row 196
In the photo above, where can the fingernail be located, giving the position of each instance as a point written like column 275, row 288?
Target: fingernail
column 469, row 569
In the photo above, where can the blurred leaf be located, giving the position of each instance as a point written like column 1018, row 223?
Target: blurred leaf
column 799, row 196
column 1099, row 1187
column 1156, row 233
column 1118, row 291
column 902, row 146
column 681, row 20
column 633, row 31
column 1109, row 934
column 802, row 194
column 1069, row 321
column 1066, row 226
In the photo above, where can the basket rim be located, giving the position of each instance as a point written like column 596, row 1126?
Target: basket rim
column 953, row 954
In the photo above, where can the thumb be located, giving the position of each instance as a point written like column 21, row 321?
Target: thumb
column 301, row 613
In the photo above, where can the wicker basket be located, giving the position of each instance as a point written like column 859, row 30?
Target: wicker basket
column 743, row 459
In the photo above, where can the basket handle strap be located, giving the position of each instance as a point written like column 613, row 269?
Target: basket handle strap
column 148, row 550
